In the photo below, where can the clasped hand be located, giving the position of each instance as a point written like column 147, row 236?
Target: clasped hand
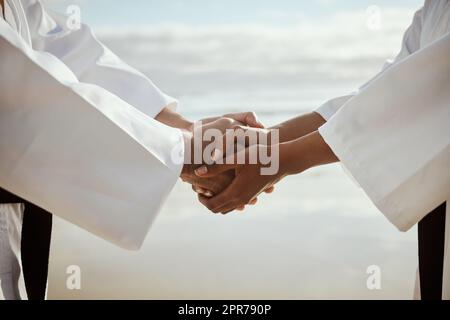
column 234, row 150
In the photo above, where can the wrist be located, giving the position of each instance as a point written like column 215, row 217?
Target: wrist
column 306, row 152
column 288, row 159
column 294, row 157
column 173, row 119
column 183, row 124
column 299, row 126
column 187, row 125
column 187, row 141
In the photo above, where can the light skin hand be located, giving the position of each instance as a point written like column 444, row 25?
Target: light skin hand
column 175, row 120
column 207, row 186
column 246, row 118
column 244, row 121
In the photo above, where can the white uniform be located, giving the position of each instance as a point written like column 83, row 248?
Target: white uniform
column 393, row 135
column 77, row 134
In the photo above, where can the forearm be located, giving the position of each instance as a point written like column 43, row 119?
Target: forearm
column 174, row 119
column 299, row 126
column 305, row 152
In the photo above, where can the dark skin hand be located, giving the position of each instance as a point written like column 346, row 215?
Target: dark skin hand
column 288, row 130
column 296, row 156
column 207, row 186
column 299, row 126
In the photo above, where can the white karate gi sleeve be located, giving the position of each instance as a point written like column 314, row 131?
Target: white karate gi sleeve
column 80, row 151
column 90, row 60
column 394, row 135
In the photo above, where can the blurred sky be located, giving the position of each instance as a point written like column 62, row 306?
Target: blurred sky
column 217, row 12
column 276, row 56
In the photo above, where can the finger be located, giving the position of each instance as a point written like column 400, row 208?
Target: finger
column 228, row 211
column 229, row 143
column 251, row 119
column 222, row 202
column 204, row 201
column 253, row 201
column 239, row 137
column 269, row 189
column 241, row 208
column 208, row 194
column 198, row 189
column 212, row 170
column 228, row 199
column 212, row 205
column 202, row 191
column 228, row 206
column 248, row 118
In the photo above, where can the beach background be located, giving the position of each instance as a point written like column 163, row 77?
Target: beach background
column 317, row 234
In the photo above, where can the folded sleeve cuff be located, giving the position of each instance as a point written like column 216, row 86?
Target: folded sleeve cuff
column 358, row 171
column 329, row 108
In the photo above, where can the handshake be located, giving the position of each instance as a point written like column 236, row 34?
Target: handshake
column 226, row 155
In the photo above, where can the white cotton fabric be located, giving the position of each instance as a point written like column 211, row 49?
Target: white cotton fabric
column 77, row 134
column 393, row 135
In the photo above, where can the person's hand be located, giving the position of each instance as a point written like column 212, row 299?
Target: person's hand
column 249, row 119
column 252, row 177
column 195, row 156
column 248, row 183
column 208, row 187
column 222, row 123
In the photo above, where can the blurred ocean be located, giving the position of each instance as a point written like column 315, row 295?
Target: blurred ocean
column 315, row 236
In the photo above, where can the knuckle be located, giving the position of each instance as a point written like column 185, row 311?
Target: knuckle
column 237, row 126
column 226, row 122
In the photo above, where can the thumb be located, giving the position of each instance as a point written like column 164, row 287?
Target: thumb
column 212, row 170
column 252, row 120
column 248, row 118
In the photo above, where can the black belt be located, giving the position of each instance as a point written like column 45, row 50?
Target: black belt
column 35, row 245
column 431, row 232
